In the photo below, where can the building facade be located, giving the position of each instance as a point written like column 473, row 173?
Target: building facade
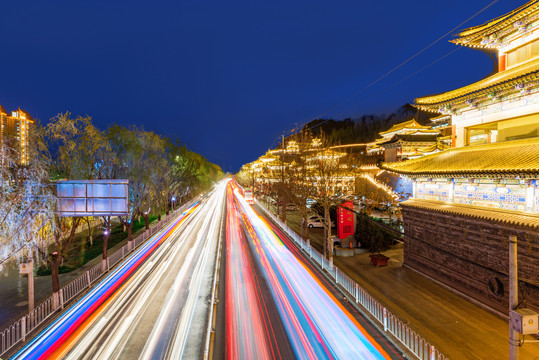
column 468, row 200
column 503, row 106
column 15, row 128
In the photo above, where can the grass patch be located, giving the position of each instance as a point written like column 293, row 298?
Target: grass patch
column 81, row 251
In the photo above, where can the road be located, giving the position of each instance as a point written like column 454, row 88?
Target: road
column 301, row 315
column 273, row 304
column 155, row 305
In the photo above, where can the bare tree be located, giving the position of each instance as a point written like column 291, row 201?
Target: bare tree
column 328, row 167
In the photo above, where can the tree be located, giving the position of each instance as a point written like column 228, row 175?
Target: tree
column 82, row 152
column 26, row 200
column 328, row 168
column 63, row 231
column 138, row 151
column 299, row 177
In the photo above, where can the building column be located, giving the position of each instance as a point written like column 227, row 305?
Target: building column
column 451, row 195
column 530, row 196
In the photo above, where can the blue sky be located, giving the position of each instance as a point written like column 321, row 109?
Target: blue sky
column 228, row 77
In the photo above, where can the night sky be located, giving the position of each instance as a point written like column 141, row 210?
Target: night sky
column 228, row 77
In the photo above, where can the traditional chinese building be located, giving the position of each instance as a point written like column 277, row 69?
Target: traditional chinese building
column 504, row 106
column 15, row 129
column 469, row 199
column 406, row 140
column 466, row 202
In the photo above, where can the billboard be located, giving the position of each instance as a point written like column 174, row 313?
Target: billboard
column 93, row 197
column 345, row 220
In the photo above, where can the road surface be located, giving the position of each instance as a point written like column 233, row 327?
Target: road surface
column 155, row 305
column 273, row 303
column 312, row 317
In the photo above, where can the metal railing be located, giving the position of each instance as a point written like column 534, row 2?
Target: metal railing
column 416, row 344
column 17, row 332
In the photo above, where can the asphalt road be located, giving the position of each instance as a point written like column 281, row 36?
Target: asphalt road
column 248, row 322
column 277, row 305
column 161, row 311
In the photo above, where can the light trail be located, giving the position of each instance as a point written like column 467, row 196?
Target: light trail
column 43, row 345
column 317, row 325
column 151, row 300
column 248, row 332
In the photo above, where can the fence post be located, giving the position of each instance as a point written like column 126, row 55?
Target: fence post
column 108, row 264
column 23, row 328
column 385, row 319
column 432, row 353
column 357, row 292
column 88, row 278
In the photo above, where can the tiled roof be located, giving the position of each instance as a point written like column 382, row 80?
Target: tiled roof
column 411, row 124
column 510, row 157
column 503, row 217
column 474, row 35
column 511, row 77
column 411, row 138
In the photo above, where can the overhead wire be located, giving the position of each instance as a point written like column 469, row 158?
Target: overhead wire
column 399, row 82
column 401, row 64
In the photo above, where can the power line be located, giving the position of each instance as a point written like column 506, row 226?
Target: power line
column 401, row 81
column 402, row 63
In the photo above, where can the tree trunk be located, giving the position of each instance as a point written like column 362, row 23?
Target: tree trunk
column 146, row 222
column 55, row 264
column 90, row 232
column 327, row 234
column 130, row 231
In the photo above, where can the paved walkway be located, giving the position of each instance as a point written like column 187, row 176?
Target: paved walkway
column 14, row 287
column 457, row 327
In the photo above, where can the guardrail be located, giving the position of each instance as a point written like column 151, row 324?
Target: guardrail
column 416, row 344
column 18, row 331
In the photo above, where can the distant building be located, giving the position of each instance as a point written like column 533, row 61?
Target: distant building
column 407, row 140
column 15, row 130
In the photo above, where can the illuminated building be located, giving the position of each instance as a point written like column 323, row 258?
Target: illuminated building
column 469, row 199
column 14, row 133
column 503, row 106
column 409, row 140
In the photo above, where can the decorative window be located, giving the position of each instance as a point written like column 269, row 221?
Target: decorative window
column 523, row 53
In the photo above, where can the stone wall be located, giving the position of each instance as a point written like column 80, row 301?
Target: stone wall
column 472, row 255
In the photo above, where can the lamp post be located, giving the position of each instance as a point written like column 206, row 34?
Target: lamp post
column 173, row 200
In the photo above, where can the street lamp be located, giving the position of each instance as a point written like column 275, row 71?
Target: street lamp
column 173, row 200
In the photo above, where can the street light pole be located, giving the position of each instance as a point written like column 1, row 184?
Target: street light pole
column 283, row 209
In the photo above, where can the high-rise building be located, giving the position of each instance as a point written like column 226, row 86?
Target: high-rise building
column 15, row 130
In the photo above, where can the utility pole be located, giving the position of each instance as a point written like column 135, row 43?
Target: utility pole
column 283, row 208
column 514, row 336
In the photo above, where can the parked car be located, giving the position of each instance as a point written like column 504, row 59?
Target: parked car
column 292, row 207
column 316, row 221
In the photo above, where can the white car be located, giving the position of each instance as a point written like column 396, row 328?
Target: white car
column 316, row 221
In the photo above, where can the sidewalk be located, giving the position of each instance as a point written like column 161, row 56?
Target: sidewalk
column 14, row 287
column 457, row 327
